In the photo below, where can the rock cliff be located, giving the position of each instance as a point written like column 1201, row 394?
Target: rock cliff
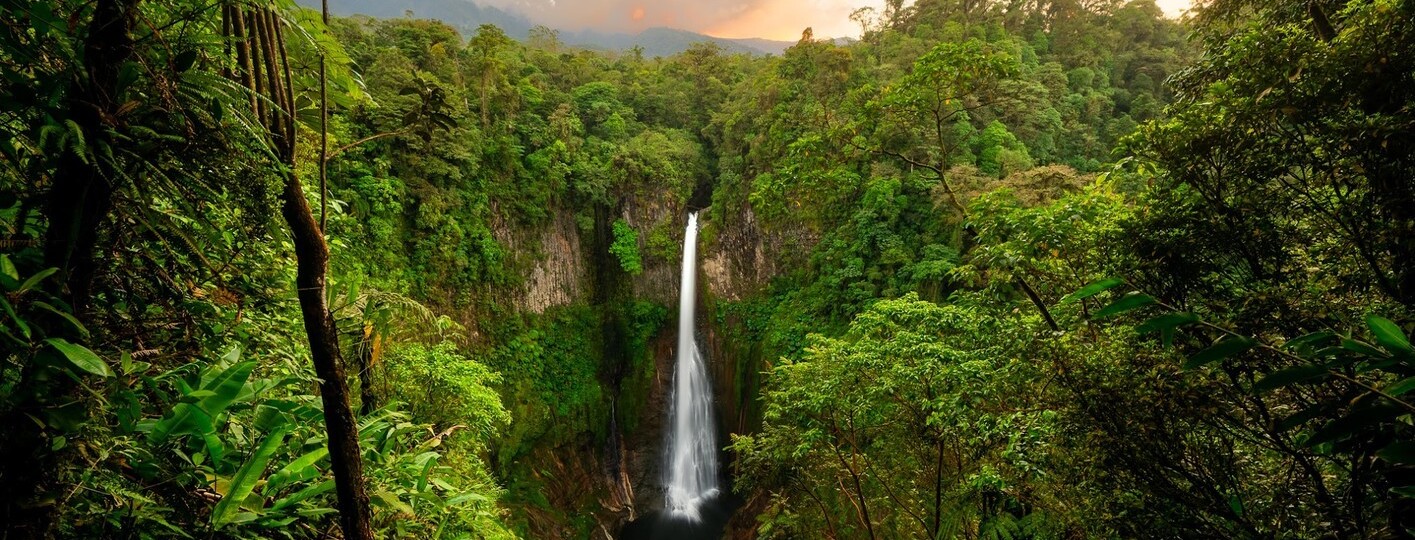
column 611, row 471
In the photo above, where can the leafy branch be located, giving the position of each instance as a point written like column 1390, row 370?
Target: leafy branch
column 1393, row 345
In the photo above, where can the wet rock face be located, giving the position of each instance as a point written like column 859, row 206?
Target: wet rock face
column 559, row 276
column 559, row 257
column 643, row 459
column 659, row 280
column 743, row 254
column 738, row 259
column 738, row 264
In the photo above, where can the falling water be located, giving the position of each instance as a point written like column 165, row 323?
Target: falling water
column 691, row 475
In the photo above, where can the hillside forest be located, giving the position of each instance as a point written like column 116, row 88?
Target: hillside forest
column 996, row 269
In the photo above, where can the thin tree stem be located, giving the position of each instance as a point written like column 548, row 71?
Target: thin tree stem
column 324, row 127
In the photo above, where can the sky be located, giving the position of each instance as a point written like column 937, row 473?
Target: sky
column 771, row 19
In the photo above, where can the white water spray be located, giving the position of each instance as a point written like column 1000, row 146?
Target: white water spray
column 691, row 474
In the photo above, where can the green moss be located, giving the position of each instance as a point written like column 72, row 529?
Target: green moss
column 550, row 364
column 662, row 244
column 644, row 320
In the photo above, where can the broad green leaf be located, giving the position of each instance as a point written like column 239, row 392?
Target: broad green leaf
column 1300, row 418
column 199, row 417
column 65, row 315
column 392, row 502
column 35, row 279
column 1362, row 348
column 302, row 468
column 1362, row 418
column 465, row 497
column 1225, row 348
column 1093, row 289
column 1399, row 388
column 1167, row 337
column 1304, row 343
column 269, row 414
column 428, row 461
column 1289, row 376
column 81, row 357
column 1168, row 321
column 302, row 495
column 1399, row 453
column 1125, row 303
column 353, row 295
column 1388, row 334
column 278, row 523
column 19, row 323
column 8, row 270
column 227, row 360
column 243, row 517
column 245, row 479
column 312, row 513
column 214, row 445
column 442, row 484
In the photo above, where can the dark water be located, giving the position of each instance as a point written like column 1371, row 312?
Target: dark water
column 665, row 526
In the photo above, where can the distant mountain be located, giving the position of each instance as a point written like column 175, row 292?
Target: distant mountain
column 661, row 41
column 466, row 16
column 769, row 45
column 463, row 15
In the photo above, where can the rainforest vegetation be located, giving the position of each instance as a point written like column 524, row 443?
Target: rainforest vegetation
column 997, row 269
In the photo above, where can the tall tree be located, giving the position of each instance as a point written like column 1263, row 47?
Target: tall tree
column 81, row 195
column 1300, row 112
column 79, row 201
column 486, row 48
column 923, row 120
column 265, row 69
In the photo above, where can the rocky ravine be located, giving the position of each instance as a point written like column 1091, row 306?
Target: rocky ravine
column 616, row 478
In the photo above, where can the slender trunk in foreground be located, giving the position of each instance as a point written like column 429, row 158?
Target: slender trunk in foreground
column 262, row 42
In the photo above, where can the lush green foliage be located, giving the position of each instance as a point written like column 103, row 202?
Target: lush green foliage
column 1027, row 270
column 1265, row 385
column 446, row 388
column 917, row 418
column 626, row 247
column 134, row 413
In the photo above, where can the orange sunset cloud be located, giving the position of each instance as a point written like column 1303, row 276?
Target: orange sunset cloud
column 771, row 19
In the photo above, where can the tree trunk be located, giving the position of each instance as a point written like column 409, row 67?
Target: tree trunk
column 81, row 195
column 79, row 200
column 345, row 456
column 267, row 73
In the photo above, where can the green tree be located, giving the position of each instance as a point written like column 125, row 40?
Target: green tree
column 920, row 116
column 1290, row 133
column 905, row 426
column 485, row 48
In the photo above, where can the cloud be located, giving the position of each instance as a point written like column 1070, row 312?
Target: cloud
column 1174, row 8
column 785, row 19
column 772, row 19
column 776, row 19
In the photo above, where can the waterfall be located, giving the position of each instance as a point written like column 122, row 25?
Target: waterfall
column 691, row 474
